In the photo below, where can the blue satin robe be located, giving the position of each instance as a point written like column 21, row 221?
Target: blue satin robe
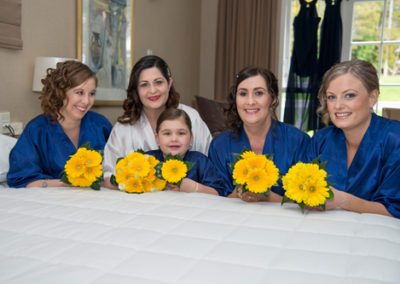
column 374, row 173
column 43, row 148
column 203, row 171
column 285, row 143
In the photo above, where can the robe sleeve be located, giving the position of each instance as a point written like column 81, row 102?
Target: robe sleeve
column 114, row 149
column 220, row 161
column 209, row 176
column 388, row 192
column 25, row 162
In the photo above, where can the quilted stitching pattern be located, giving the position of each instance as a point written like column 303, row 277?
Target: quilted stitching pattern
column 84, row 236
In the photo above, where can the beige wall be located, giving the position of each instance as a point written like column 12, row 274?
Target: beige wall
column 171, row 29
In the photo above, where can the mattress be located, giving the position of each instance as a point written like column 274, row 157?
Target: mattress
column 67, row 235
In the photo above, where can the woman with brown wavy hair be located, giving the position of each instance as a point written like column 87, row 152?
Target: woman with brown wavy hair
column 47, row 142
column 150, row 91
column 253, row 124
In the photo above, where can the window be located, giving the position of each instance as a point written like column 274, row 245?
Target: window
column 375, row 36
column 371, row 31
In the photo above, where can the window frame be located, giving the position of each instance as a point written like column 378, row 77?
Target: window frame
column 347, row 7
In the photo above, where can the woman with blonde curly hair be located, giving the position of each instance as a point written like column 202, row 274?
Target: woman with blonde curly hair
column 47, row 142
column 361, row 149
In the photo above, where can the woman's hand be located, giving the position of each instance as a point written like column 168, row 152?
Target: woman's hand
column 172, row 187
column 349, row 202
column 340, row 200
column 249, row 196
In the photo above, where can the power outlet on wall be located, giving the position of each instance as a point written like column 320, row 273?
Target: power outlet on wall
column 4, row 120
column 17, row 126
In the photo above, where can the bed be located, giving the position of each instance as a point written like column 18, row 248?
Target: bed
column 69, row 235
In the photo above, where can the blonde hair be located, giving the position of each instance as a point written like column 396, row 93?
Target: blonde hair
column 361, row 69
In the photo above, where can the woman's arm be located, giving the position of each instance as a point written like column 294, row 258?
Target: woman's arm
column 189, row 185
column 47, row 183
column 107, row 183
column 347, row 201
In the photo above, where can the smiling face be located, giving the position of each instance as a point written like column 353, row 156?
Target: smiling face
column 253, row 101
column 174, row 137
column 79, row 100
column 153, row 89
column 349, row 103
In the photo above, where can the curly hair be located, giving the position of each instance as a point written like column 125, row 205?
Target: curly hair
column 360, row 69
column 58, row 81
column 234, row 121
column 132, row 105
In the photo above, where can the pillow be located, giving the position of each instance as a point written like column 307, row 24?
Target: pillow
column 212, row 112
column 6, row 144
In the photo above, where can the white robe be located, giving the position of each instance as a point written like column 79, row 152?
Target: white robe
column 125, row 138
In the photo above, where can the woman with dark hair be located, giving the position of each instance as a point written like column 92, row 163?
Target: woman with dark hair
column 47, row 142
column 361, row 149
column 253, row 124
column 150, row 92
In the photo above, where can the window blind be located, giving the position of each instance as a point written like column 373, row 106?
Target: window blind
column 10, row 24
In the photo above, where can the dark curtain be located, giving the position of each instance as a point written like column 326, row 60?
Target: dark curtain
column 303, row 65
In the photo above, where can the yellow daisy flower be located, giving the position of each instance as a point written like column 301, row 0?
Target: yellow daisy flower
column 173, row 171
column 247, row 154
column 257, row 161
column 240, row 172
column 139, row 165
column 133, row 185
column 80, row 181
column 92, row 158
column 83, row 168
column 152, row 160
column 272, row 172
column 75, row 167
column 306, row 183
column 94, row 172
column 257, row 181
column 159, row 184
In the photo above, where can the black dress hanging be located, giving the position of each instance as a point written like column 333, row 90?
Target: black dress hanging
column 303, row 65
column 330, row 49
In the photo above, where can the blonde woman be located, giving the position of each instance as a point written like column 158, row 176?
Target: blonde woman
column 362, row 149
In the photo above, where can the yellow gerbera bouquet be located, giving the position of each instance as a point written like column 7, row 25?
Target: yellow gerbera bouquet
column 173, row 170
column 255, row 173
column 136, row 173
column 84, row 168
column 306, row 185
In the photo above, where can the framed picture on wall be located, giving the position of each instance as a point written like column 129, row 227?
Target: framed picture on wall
column 104, row 43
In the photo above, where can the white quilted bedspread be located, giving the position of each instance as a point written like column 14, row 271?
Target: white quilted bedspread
column 84, row 236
